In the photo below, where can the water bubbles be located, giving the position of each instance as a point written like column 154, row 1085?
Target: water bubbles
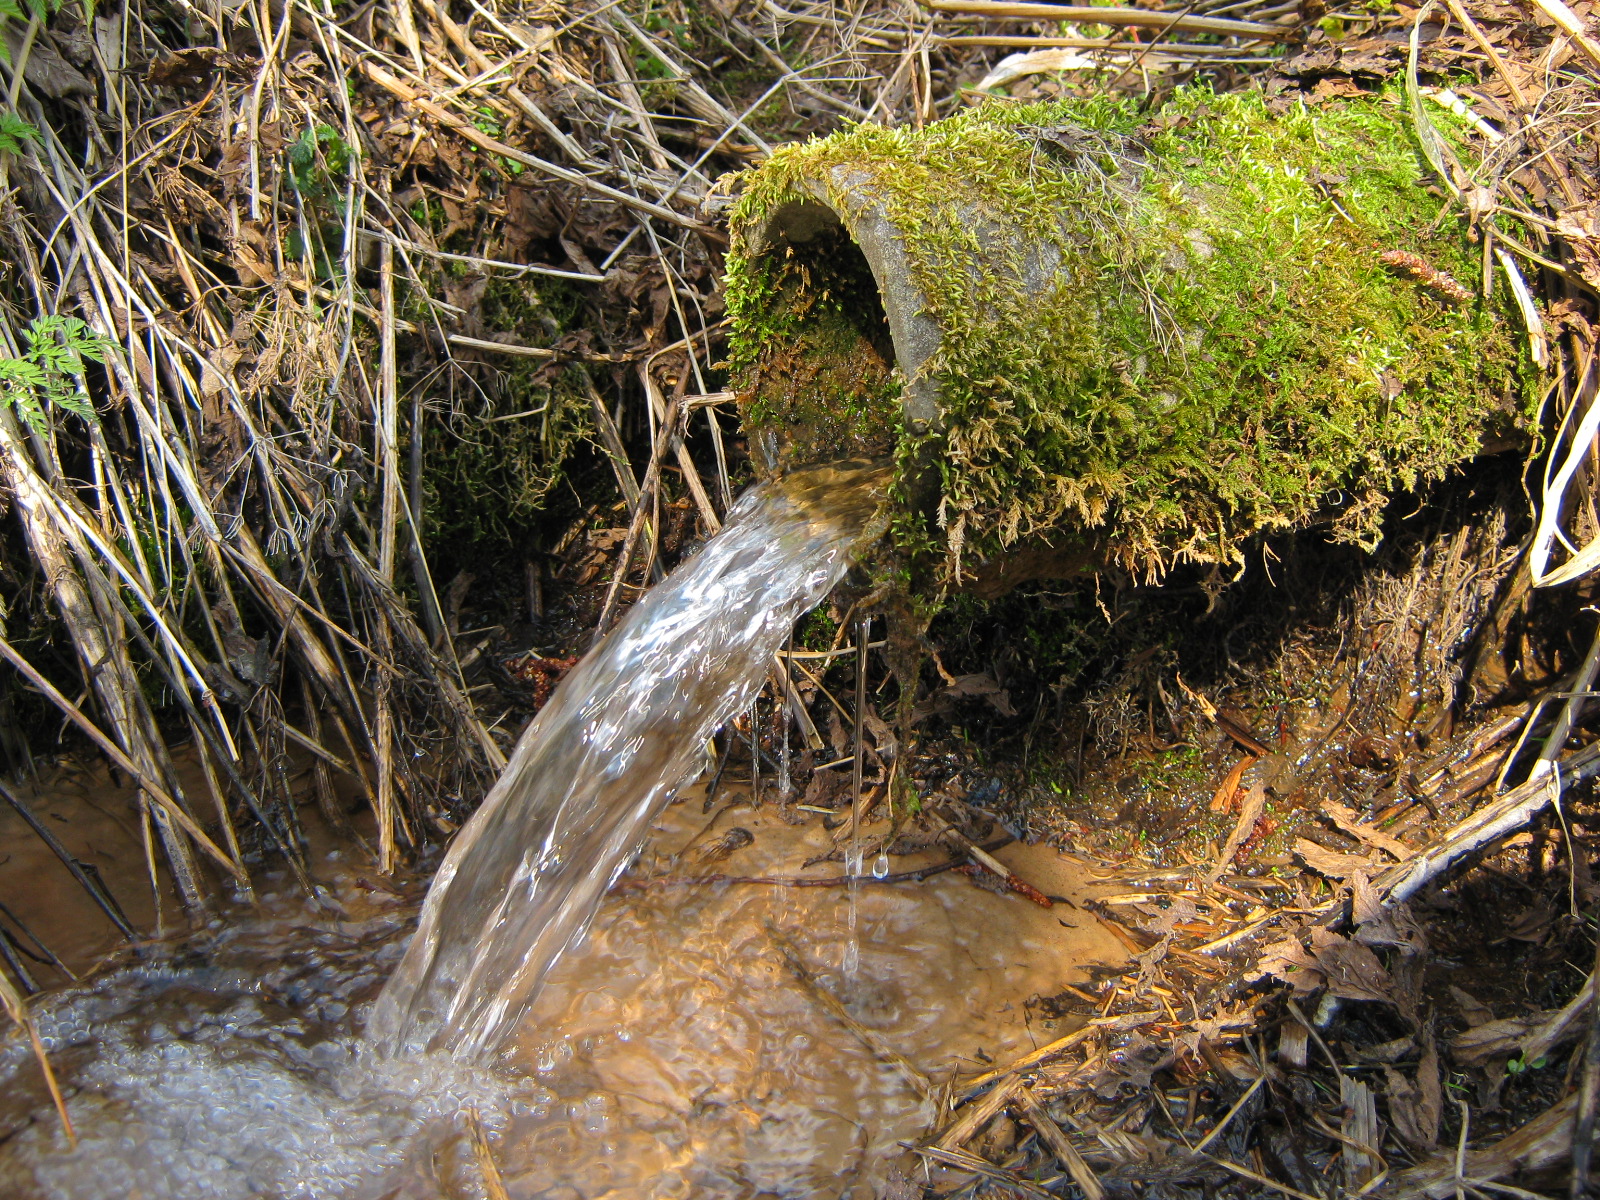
column 595, row 1115
column 551, row 1055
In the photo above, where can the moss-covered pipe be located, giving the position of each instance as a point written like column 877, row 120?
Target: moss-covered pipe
column 1092, row 334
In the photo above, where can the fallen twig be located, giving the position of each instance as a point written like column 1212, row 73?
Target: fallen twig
column 1138, row 17
column 1493, row 820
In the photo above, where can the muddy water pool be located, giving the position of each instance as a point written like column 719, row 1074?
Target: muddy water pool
column 674, row 1052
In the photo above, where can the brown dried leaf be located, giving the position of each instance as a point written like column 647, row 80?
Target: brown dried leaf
column 1381, row 926
column 1334, row 864
column 1579, row 227
column 1494, row 1039
column 1474, row 1010
column 1415, row 1106
column 1387, row 1052
column 46, row 69
column 1223, row 801
column 1289, row 961
column 1350, row 822
column 1250, row 809
column 1348, row 969
column 189, row 67
column 1353, row 972
column 1531, row 925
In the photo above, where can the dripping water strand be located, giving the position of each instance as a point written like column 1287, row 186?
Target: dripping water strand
column 755, row 753
column 786, row 716
column 856, row 851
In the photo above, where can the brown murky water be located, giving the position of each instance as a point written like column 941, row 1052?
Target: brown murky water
column 673, row 1053
column 718, row 1040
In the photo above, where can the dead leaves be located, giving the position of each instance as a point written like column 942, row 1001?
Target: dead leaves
column 1494, row 1040
column 1349, row 822
column 1250, row 810
column 983, row 685
column 1417, row 1104
column 1334, row 864
column 1346, row 968
column 1580, row 226
column 193, row 67
column 1227, row 794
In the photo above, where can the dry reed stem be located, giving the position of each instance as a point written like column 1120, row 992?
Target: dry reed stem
column 17, row 1008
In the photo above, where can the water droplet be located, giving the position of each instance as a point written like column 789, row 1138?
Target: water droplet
column 880, row 866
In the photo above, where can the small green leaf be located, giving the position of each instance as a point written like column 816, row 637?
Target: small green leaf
column 57, row 348
column 13, row 129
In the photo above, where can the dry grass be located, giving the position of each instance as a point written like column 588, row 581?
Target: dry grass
column 279, row 221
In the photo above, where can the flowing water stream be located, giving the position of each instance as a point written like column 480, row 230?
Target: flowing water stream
column 675, row 1055
column 621, row 734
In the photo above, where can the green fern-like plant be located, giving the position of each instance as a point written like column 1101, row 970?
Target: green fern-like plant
column 46, row 376
column 14, row 130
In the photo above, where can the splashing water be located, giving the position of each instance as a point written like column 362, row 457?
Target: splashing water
column 673, row 1058
column 622, row 733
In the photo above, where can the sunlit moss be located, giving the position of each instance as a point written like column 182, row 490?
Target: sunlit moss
column 1216, row 348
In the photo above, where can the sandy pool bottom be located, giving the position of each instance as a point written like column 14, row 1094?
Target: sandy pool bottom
column 677, row 1051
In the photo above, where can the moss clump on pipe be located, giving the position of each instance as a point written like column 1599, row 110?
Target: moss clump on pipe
column 1166, row 334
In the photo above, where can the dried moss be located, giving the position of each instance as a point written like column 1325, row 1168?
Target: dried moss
column 1212, row 348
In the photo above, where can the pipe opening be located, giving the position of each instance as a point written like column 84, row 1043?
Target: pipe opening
column 813, row 344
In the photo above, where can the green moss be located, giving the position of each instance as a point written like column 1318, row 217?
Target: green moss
column 1215, row 347
column 487, row 480
column 818, row 366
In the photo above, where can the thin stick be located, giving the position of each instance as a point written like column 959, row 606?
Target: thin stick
column 170, row 807
column 98, row 892
column 1140, row 17
column 18, row 1010
column 1246, row 1173
column 965, row 1160
column 483, row 141
column 1025, row 42
column 387, row 423
column 1064, row 1150
column 1493, row 820
column 1032, row 1059
column 1578, row 692
column 1517, row 96
column 858, row 802
column 1230, row 1114
column 636, row 523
